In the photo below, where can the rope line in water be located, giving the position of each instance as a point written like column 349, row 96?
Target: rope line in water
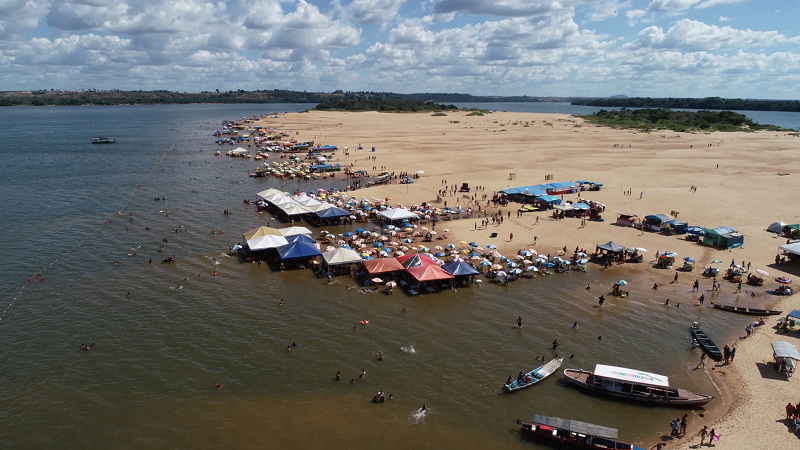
column 76, row 246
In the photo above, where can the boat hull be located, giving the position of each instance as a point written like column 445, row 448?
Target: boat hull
column 585, row 380
column 535, row 376
column 748, row 311
column 708, row 346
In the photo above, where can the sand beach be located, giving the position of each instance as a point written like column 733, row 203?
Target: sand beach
column 743, row 180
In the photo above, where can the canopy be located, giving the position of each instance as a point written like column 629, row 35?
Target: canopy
column 397, row 214
column 295, row 210
column 415, row 260
column 550, row 199
column 696, row 231
column 631, row 375
column 263, row 238
column 300, row 238
column 298, row 249
column 291, row 231
column 574, row 426
column 776, row 227
column 320, row 207
column 785, row 350
column 793, row 248
column 581, row 206
column 429, row 273
column 460, row 268
column 382, row 265
column 794, row 314
column 611, row 246
column 264, row 194
column 657, row 218
column 341, row 256
column 332, row 213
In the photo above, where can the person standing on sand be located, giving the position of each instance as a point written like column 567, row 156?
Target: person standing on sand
column 703, row 433
column 696, row 286
column 733, row 354
column 702, row 364
column 511, row 237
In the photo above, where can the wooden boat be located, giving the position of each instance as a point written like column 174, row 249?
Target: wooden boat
column 535, row 376
column 635, row 385
column 749, row 311
column 572, row 433
column 103, row 140
column 706, row 343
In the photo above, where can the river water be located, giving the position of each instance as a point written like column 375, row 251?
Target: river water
column 150, row 382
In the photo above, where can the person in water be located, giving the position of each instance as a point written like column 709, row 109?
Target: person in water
column 519, row 322
column 575, row 326
column 219, row 387
column 601, row 300
column 424, row 408
column 555, row 344
column 380, row 356
column 338, row 376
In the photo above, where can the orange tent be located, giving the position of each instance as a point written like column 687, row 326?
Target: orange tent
column 429, row 273
column 382, row 265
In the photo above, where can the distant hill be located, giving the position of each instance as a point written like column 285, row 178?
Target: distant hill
column 736, row 104
column 619, row 96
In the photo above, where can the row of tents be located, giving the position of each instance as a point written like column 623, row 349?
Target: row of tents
column 420, row 267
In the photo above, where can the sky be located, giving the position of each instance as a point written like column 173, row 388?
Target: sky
column 656, row 48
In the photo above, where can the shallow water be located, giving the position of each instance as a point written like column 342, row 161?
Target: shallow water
column 150, row 381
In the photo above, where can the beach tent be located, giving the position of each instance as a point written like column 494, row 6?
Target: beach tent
column 298, row 249
column 397, row 214
column 776, row 227
column 726, row 237
column 295, row 210
column 382, row 265
column 429, row 273
column 291, row 231
column 332, row 213
column 656, row 222
column 284, row 201
column 269, row 192
column 320, row 207
column 415, row 260
column 305, row 200
column 300, row 238
column 785, row 350
column 549, row 199
column 263, row 238
column 677, row 225
column 272, row 198
column 341, row 256
column 460, row 268
column 696, row 231
column 793, row 248
column 612, row 247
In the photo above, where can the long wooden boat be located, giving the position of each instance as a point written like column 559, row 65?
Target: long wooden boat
column 572, row 433
column 706, row 343
column 534, row 376
column 634, row 385
column 749, row 311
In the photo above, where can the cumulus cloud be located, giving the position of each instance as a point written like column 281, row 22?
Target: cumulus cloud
column 724, row 19
column 635, row 15
column 710, row 3
column 20, row 16
column 671, row 5
column 371, row 12
column 689, row 34
column 607, row 10
column 501, row 8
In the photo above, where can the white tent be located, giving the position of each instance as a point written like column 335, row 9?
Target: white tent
column 238, row 151
column 307, row 201
column 776, row 227
column 295, row 210
column 291, row 231
column 793, row 248
column 263, row 238
column 341, row 256
column 269, row 192
column 274, row 198
column 320, row 207
column 397, row 214
column 285, row 202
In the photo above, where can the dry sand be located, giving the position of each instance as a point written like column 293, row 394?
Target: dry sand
column 756, row 183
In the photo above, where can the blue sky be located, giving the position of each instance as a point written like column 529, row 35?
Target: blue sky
column 659, row 48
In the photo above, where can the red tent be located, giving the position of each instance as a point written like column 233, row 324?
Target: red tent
column 382, row 265
column 429, row 273
column 415, row 260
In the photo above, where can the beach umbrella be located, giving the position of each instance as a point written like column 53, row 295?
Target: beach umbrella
column 475, row 258
column 527, row 261
column 738, row 267
column 783, row 280
column 762, row 272
column 450, row 246
column 485, row 263
column 367, row 258
column 581, row 254
column 491, row 246
column 549, row 265
column 399, row 254
column 622, row 282
column 378, row 244
column 391, row 284
column 408, row 241
column 502, row 274
column 532, row 268
column 716, row 261
column 513, row 265
column 348, row 234
column 642, row 250
column 441, row 254
column 689, row 259
column 540, row 260
column 473, row 244
column 474, row 254
column 346, row 246
column 516, row 271
column 582, row 261
column 438, row 247
column 526, row 253
column 359, row 230
column 377, row 280
column 497, row 267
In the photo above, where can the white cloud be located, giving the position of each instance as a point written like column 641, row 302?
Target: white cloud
column 671, row 5
column 501, row 8
column 635, row 15
column 20, row 16
column 373, row 11
column 724, row 19
column 607, row 9
column 693, row 35
column 710, row 3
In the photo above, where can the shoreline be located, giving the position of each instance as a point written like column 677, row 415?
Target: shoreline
column 666, row 164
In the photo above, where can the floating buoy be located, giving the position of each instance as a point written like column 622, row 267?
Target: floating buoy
column 364, row 322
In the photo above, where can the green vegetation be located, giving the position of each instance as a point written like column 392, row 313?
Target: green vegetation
column 666, row 119
column 93, row 97
column 455, row 121
column 694, row 103
column 439, row 114
column 475, row 113
column 382, row 104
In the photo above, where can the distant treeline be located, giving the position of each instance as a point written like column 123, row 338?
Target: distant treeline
column 694, row 103
column 666, row 119
column 351, row 102
column 74, row 98
column 461, row 98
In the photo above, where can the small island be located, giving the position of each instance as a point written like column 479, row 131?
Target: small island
column 681, row 121
column 735, row 104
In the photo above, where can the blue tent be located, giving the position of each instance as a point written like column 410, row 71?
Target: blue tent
column 550, row 199
column 459, row 268
column 298, row 249
column 332, row 213
column 300, row 238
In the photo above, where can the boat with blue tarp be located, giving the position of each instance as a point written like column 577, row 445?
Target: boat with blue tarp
column 534, row 376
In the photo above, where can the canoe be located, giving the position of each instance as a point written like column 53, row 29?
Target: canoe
column 749, row 311
column 706, row 343
column 534, row 376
